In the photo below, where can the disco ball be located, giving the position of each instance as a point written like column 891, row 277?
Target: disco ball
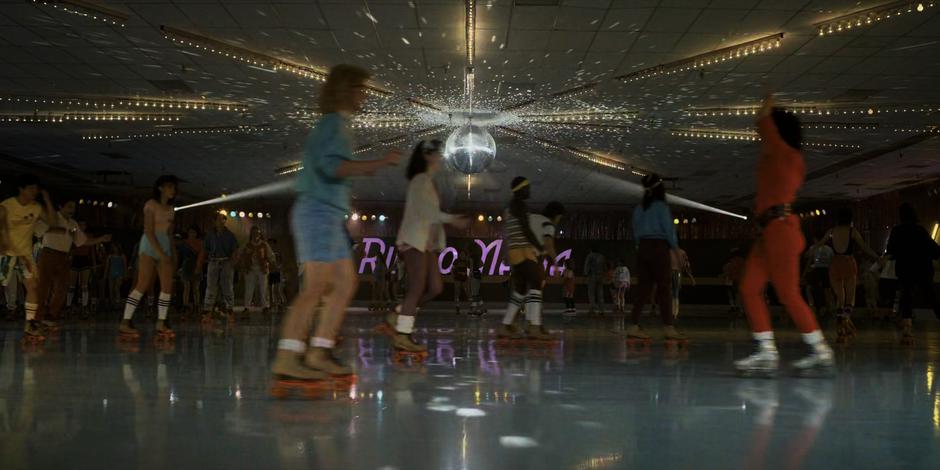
column 470, row 149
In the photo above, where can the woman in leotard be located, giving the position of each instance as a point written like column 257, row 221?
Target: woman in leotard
column 843, row 272
column 156, row 252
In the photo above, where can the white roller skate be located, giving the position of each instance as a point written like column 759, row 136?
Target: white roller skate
column 763, row 363
column 819, row 363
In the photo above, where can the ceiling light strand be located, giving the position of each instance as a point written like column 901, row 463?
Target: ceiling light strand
column 737, row 51
column 748, row 136
column 816, row 110
column 580, row 153
column 870, row 16
column 88, row 10
column 253, row 58
column 115, row 102
column 183, row 131
column 84, row 117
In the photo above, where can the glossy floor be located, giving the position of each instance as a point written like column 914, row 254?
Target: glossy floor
column 85, row 401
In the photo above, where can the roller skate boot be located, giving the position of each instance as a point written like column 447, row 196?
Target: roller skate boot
column 538, row 333
column 163, row 333
column 33, row 333
column 637, row 338
column 322, row 359
column 818, row 363
column 907, row 332
column 50, row 327
column 845, row 330
column 387, row 325
column 406, row 347
column 290, row 375
column 127, row 332
column 763, row 363
column 671, row 337
column 508, row 332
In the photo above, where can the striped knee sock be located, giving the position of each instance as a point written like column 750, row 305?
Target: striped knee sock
column 515, row 303
column 163, row 305
column 533, row 307
column 132, row 300
column 31, row 310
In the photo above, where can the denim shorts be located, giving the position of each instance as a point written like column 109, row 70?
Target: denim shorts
column 319, row 232
column 146, row 249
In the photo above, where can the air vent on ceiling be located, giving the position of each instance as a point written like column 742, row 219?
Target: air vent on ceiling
column 855, row 95
column 172, row 86
column 115, row 156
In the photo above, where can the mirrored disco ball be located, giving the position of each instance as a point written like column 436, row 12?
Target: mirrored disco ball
column 470, row 149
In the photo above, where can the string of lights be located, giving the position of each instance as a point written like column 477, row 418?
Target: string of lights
column 581, row 126
column 384, row 124
column 239, row 214
column 87, row 10
column 113, row 102
column 870, row 16
column 55, row 118
column 748, row 136
column 581, row 116
column 583, row 154
column 425, row 106
column 737, row 51
column 252, row 58
column 295, row 167
column 842, row 126
column 96, row 203
column 566, row 93
column 815, row 110
column 182, row 131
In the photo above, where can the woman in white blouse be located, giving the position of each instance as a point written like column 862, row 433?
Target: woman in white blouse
column 420, row 240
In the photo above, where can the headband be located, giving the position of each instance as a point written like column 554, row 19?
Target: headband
column 521, row 185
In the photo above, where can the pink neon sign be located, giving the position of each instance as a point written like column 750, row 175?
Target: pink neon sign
column 375, row 249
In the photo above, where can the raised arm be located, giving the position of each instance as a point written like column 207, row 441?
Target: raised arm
column 346, row 168
column 48, row 211
column 766, row 128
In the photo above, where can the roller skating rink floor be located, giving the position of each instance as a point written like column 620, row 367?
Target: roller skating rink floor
column 83, row 399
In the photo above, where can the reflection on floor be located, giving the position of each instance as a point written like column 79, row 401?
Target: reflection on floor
column 84, row 400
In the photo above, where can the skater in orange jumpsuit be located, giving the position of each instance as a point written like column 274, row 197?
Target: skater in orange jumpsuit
column 775, row 256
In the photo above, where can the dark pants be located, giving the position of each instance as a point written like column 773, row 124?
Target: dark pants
column 906, row 288
column 53, row 276
column 526, row 276
column 653, row 268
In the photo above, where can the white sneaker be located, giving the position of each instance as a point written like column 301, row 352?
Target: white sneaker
column 764, row 360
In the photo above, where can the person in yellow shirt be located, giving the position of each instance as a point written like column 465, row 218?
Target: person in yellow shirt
column 18, row 218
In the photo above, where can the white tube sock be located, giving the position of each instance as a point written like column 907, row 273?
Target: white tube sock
column 132, row 300
column 294, row 345
column 163, row 305
column 31, row 310
column 405, row 324
column 515, row 303
column 322, row 343
column 533, row 307
column 765, row 339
